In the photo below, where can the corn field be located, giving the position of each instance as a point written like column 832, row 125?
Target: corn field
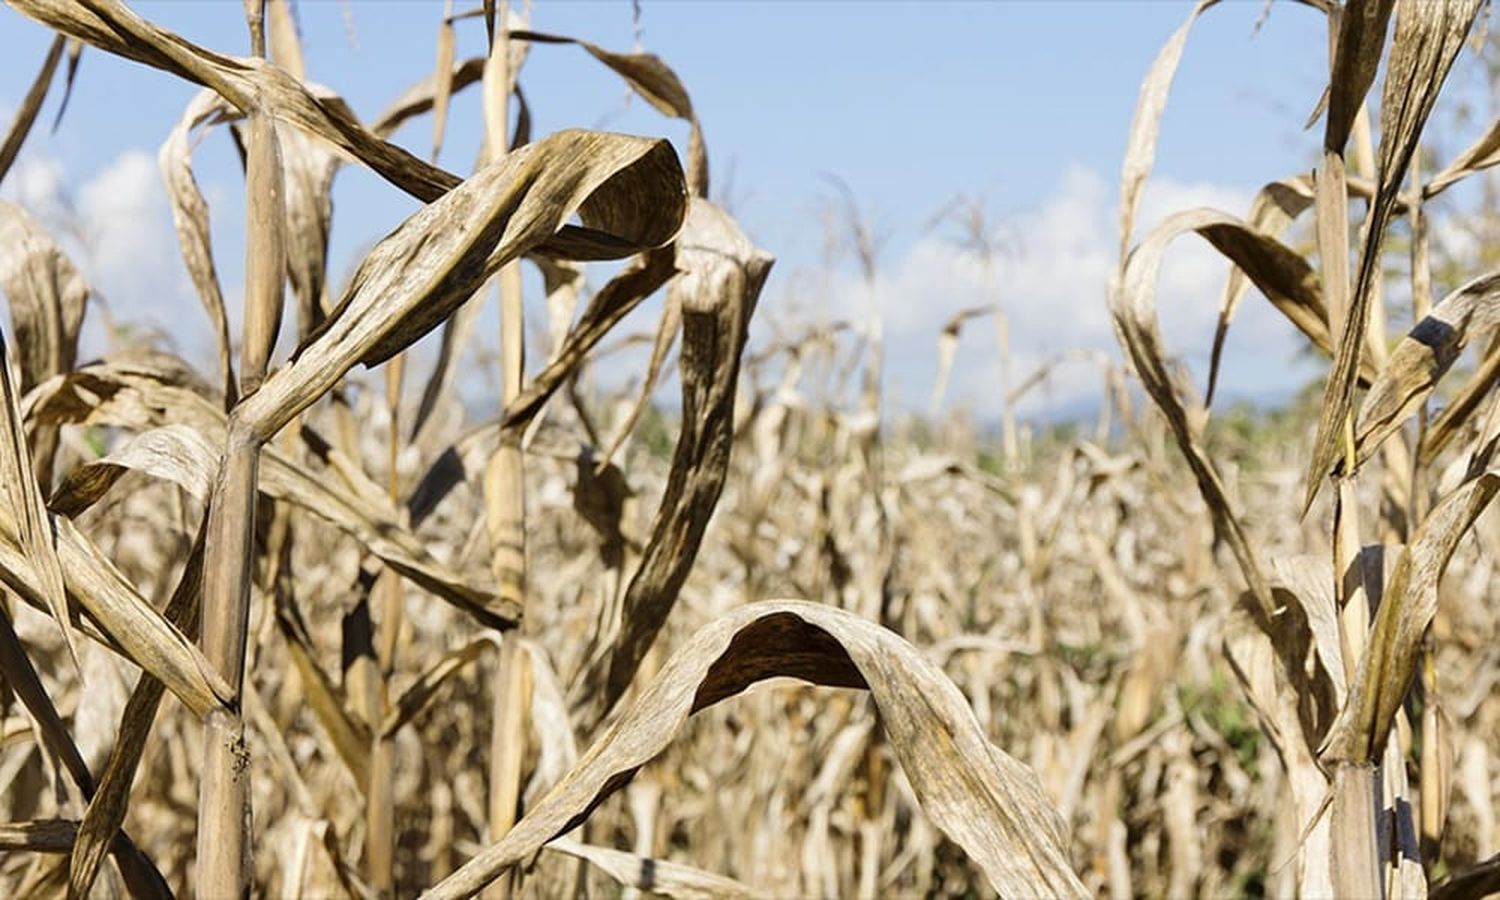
column 305, row 625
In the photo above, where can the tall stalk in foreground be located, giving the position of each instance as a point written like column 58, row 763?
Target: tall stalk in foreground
column 224, row 794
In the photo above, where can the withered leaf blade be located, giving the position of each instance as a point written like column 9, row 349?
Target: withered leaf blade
column 1276, row 206
column 113, row 27
column 27, row 511
column 442, row 79
column 667, row 328
column 1427, row 40
column 423, row 96
column 415, row 698
column 189, row 457
column 48, row 298
column 281, row 35
column 723, row 273
column 626, row 189
column 1422, row 358
column 190, row 216
column 38, row 836
column 31, row 104
column 265, row 249
column 75, row 56
column 1286, row 280
column 1484, row 153
column 1361, row 41
column 1448, row 424
column 140, row 874
column 656, row 83
column 1140, row 145
column 988, row 803
column 47, row 294
column 1407, row 608
column 350, row 737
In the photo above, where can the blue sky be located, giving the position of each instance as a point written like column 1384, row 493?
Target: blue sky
column 1022, row 104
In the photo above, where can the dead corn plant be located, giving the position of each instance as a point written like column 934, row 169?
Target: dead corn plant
column 232, row 534
column 1328, row 646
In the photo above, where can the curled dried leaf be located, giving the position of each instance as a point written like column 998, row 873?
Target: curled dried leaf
column 1407, row 608
column 723, row 273
column 1421, row 360
column 650, row 77
column 986, row 802
column 1140, row 145
column 1286, row 280
column 190, row 215
column 627, row 191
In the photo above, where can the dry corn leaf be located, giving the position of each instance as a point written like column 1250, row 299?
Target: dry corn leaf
column 1280, row 274
column 557, row 749
column 415, row 698
column 136, row 394
column 1273, row 210
column 349, row 736
column 31, row 104
column 990, row 805
column 627, row 191
column 1362, row 25
column 1140, row 144
column 666, row 879
column 265, row 248
column 75, row 55
column 189, row 458
column 281, row 36
column 39, row 836
column 28, row 524
column 456, row 332
column 113, row 27
column 126, row 620
column 1427, row 39
column 422, row 96
column 48, row 298
column 442, row 79
column 190, row 216
column 1457, row 414
column 1421, row 360
column 1408, row 606
column 667, row 328
column 1484, row 153
column 140, row 875
column 308, row 169
column 21, row 677
column 722, row 274
column 657, row 84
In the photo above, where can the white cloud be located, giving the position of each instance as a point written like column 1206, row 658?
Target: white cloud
column 1052, row 283
column 132, row 251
